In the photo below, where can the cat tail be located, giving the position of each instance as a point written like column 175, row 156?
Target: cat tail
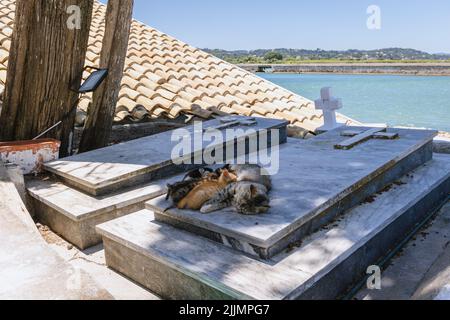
column 169, row 208
column 169, row 192
column 180, row 205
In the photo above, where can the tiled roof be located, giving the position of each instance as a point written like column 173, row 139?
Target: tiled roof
column 165, row 77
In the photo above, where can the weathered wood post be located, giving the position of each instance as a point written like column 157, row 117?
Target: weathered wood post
column 47, row 55
column 98, row 126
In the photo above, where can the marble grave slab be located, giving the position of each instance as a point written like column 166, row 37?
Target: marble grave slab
column 177, row 264
column 314, row 184
column 142, row 160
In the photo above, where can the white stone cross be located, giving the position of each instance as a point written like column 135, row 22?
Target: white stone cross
column 360, row 136
column 328, row 104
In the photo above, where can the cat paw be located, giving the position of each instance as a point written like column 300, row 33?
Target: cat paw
column 206, row 209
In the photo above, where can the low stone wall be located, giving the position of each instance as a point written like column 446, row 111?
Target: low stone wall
column 441, row 69
column 442, row 143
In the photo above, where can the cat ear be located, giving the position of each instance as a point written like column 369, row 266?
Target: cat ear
column 231, row 177
column 253, row 190
column 169, row 191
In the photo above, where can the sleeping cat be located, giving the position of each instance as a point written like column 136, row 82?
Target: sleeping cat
column 200, row 174
column 177, row 191
column 205, row 191
column 248, row 198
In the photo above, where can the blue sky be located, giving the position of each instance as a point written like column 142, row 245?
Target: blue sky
column 309, row 24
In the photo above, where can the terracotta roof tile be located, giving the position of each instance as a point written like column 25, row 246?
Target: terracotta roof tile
column 165, row 77
column 139, row 113
column 227, row 109
column 244, row 110
column 127, row 103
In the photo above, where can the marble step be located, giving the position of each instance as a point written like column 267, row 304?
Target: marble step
column 74, row 214
column 105, row 170
column 176, row 264
column 314, row 184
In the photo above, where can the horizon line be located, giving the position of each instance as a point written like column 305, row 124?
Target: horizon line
column 320, row 49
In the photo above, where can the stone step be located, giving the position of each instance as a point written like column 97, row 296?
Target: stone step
column 314, row 184
column 105, row 170
column 74, row 214
column 176, row 264
column 418, row 272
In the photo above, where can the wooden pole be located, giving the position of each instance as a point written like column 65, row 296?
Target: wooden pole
column 47, row 56
column 99, row 121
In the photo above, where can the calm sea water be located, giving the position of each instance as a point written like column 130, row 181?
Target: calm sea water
column 411, row 101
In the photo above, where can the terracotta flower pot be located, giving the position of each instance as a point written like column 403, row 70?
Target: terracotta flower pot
column 30, row 155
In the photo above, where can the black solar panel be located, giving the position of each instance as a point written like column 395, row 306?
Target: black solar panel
column 93, row 81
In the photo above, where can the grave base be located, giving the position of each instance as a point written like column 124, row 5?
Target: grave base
column 177, row 264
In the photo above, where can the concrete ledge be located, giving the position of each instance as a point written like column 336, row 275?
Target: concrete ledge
column 442, row 145
column 74, row 214
column 439, row 69
column 80, row 233
column 13, row 174
column 418, row 271
column 436, row 284
column 155, row 275
column 29, row 269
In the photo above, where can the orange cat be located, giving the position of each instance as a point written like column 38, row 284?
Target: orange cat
column 205, row 191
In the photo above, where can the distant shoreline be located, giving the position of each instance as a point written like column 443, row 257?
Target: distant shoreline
column 418, row 69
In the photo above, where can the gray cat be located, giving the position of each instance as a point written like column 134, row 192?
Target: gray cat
column 248, row 198
column 251, row 173
column 179, row 190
